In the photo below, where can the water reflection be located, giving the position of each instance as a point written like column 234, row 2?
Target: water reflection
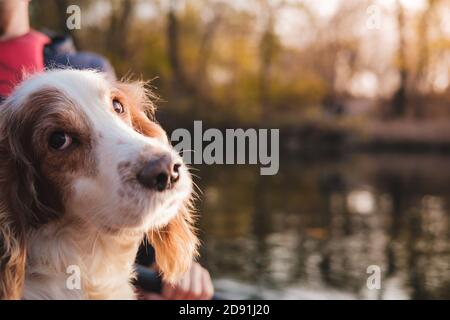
column 312, row 230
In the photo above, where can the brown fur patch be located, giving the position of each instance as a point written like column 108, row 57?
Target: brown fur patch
column 33, row 177
column 138, row 105
column 27, row 133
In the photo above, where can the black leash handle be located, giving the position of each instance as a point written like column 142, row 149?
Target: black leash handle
column 148, row 279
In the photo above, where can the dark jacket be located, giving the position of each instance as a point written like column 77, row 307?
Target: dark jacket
column 61, row 53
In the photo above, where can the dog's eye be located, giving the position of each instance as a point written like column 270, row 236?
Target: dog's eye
column 60, row 141
column 118, row 107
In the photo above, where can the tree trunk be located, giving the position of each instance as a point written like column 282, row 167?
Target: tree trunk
column 181, row 85
column 206, row 47
column 266, row 56
column 399, row 100
column 172, row 33
column 119, row 27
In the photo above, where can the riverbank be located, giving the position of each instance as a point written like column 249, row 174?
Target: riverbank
column 326, row 134
column 407, row 136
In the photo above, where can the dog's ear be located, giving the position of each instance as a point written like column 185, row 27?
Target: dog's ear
column 12, row 224
column 31, row 196
column 176, row 243
column 12, row 256
column 26, row 199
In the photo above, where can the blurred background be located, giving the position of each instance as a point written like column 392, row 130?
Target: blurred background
column 360, row 91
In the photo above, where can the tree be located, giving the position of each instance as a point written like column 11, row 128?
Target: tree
column 173, row 49
column 206, row 44
column 268, row 46
column 119, row 27
column 399, row 99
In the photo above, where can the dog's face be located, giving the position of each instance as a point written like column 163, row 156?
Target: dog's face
column 75, row 145
column 86, row 142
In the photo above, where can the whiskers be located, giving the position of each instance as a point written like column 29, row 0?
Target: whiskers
column 196, row 191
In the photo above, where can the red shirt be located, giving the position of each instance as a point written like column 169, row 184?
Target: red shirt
column 20, row 56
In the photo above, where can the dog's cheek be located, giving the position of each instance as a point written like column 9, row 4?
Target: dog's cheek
column 58, row 175
column 51, row 195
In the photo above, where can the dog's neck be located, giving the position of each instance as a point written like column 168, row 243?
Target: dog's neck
column 65, row 254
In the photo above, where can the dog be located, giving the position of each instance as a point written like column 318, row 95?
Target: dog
column 86, row 174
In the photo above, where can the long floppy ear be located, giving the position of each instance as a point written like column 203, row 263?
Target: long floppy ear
column 26, row 199
column 12, row 234
column 12, row 257
column 176, row 243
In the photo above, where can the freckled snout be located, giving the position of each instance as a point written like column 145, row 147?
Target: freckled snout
column 159, row 174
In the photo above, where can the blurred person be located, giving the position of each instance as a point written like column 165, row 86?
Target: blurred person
column 24, row 51
column 37, row 50
column 16, row 36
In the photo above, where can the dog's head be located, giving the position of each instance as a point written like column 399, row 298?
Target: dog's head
column 74, row 145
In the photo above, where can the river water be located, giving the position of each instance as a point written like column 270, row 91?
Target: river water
column 313, row 230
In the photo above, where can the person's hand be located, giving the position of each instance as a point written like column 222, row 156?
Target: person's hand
column 196, row 284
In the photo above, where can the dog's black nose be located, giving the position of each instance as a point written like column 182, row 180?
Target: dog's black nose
column 160, row 174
